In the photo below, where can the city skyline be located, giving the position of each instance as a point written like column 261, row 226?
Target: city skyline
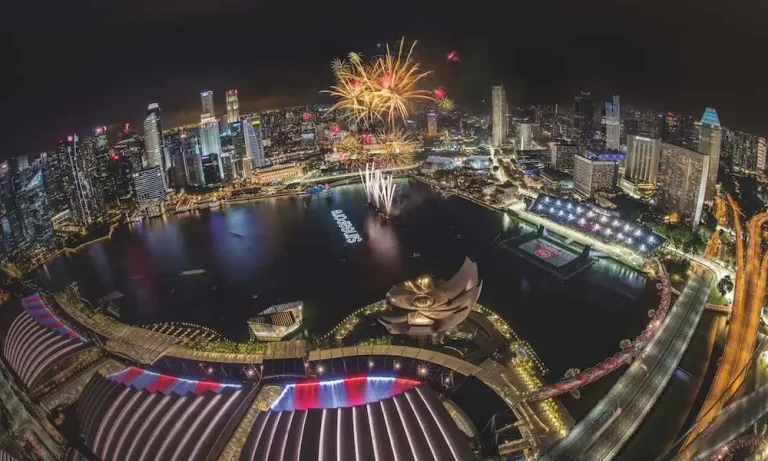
column 75, row 102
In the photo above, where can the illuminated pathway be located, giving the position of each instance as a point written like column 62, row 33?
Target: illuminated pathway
column 608, row 426
column 740, row 343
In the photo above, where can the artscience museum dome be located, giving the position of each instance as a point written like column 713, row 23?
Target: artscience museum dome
column 425, row 306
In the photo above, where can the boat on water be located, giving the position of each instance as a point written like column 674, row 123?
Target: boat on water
column 193, row 272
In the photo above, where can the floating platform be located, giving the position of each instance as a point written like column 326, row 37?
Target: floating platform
column 554, row 257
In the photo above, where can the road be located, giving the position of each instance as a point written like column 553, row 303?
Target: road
column 608, row 426
column 729, row 424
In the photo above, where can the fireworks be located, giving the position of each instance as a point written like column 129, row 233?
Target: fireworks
column 393, row 148
column 446, row 105
column 379, row 189
column 440, row 94
column 453, row 56
column 379, row 91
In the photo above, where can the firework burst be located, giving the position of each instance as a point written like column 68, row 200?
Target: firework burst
column 393, row 149
column 453, row 56
column 446, row 105
column 379, row 91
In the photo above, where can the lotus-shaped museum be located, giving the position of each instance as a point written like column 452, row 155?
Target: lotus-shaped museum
column 426, row 306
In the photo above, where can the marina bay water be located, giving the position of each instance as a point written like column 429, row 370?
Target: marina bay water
column 243, row 258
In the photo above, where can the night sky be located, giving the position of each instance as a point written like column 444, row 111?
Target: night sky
column 77, row 64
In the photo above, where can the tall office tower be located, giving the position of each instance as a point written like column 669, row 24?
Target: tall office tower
column 85, row 203
column 431, row 123
column 642, row 163
column 591, row 175
column 499, row 116
column 241, row 160
column 710, row 140
column 12, row 237
column 101, row 168
column 679, row 130
column 562, row 156
column 745, row 151
column 206, row 98
column 224, row 125
column 154, row 146
column 233, row 106
column 254, row 143
column 54, row 175
column 524, row 135
column 194, row 161
column 30, row 197
column 583, row 118
column 178, row 170
column 212, row 169
column 612, row 121
column 210, row 140
column 149, row 186
column 682, row 182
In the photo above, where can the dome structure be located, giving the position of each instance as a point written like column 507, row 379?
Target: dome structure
column 425, row 306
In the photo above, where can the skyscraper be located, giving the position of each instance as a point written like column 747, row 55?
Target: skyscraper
column 499, row 115
column 642, row 163
column 30, row 198
column 710, row 140
column 254, row 143
column 206, row 98
column 233, row 106
column 682, row 181
column 85, row 203
column 612, row 122
column 591, row 175
column 149, row 185
column 194, row 161
column 745, row 151
column 154, row 146
column 524, row 135
column 241, row 160
column 583, row 118
column 210, row 140
column 431, row 123
column 563, row 155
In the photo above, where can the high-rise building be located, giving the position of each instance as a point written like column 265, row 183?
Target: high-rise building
column 210, row 140
column 431, row 123
column 612, row 121
column 212, row 168
column 233, row 106
column 679, row 130
column 30, row 198
column 154, row 147
column 241, row 160
column 149, row 186
column 682, row 182
column 710, row 141
column 524, row 134
column 194, row 161
column 562, row 156
column 591, row 175
column 86, row 203
column 54, row 171
column 500, row 118
column 745, row 151
column 206, row 98
column 12, row 238
column 642, row 162
column 254, row 143
column 583, row 118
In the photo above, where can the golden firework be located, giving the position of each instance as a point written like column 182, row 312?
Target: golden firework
column 393, row 148
column 446, row 105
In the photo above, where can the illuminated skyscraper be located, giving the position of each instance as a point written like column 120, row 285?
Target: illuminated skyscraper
column 583, row 118
column 642, row 163
column 745, row 151
column 682, row 182
column 154, row 146
column 563, row 155
column 86, row 204
column 206, row 98
column 210, row 140
column 612, row 122
column 499, row 115
column 149, row 185
column 431, row 123
column 240, row 153
column 233, row 106
column 524, row 135
column 710, row 140
column 591, row 175
column 254, row 143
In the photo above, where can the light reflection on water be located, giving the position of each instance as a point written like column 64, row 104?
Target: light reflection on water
column 287, row 249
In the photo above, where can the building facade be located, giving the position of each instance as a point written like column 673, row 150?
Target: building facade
column 254, row 142
column 242, row 161
column 524, row 135
column 154, row 155
column 591, row 175
column 432, row 123
column 150, row 190
column 682, row 182
column 583, row 118
column 210, row 140
column 499, row 116
column 563, row 155
column 612, row 121
column 233, row 106
column 745, row 151
column 710, row 143
column 86, row 203
column 206, row 100
column 642, row 163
